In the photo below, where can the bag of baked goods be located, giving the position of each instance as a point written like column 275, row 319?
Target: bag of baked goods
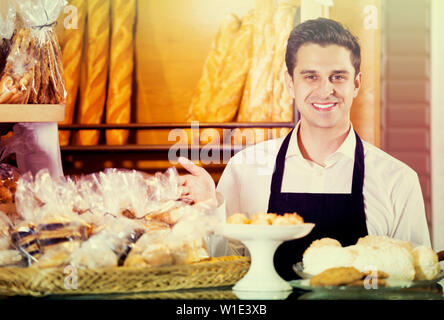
column 7, row 26
column 49, row 230
column 34, row 69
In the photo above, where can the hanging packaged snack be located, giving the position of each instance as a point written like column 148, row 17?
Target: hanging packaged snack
column 34, row 71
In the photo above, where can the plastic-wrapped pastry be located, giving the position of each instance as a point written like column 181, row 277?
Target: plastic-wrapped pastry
column 36, row 57
column 58, row 255
column 155, row 255
column 25, row 239
column 189, row 252
column 5, row 239
column 9, row 257
column 96, row 252
column 59, row 231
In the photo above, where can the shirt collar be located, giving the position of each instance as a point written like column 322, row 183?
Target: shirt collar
column 347, row 148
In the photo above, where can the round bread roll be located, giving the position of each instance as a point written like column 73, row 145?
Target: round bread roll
column 325, row 242
column 238, row 218
column 319, row 258
column 378, row 241
column 426, row 263
column 394, row 260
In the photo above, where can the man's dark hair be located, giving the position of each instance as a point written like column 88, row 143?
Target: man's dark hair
column 323, row 32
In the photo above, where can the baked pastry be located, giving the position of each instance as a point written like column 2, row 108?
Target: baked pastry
column 238, row 218
column 426, row 263
column 97, row 252
column 337, row 277
column 189, row 252
column 94, row 70
column 24, row 238
column 394, row 260
column 118, row 104
column 9, row 257
column 379, row 254
column 15, row 83
column 317, row 259
column 54, row 233
column 288, row 219
column 71, row 57
column 5, row 46
column 378, row 241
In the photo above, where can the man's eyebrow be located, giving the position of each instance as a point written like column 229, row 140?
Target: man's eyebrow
column 333, row 72
column 308, row 71
column 340, row 71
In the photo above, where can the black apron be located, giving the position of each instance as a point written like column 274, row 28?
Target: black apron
column 337, row 216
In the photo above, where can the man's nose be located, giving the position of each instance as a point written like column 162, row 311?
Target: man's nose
column 325, row 89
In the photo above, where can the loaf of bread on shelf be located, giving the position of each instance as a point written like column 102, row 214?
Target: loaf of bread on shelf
column 118, row 105
column 256, row 102
column 94, row 70
column 282, row 102
column 213, row 66
column 73, row 42
column 229, row 87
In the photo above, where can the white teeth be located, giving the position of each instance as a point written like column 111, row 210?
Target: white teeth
column 324, row 106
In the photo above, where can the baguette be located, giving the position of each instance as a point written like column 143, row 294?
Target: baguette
column 93, row 91
column 71, row 57
column 228, row 93
column 282, row 102
column 213, row 66
column 118, row 107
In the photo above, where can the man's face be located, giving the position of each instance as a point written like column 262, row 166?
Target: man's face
column 324, row 85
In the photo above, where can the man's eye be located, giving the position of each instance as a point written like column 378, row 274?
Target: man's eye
column 310, row 77
column 337, row 77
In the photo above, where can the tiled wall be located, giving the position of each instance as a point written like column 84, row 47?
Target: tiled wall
column 405, row 87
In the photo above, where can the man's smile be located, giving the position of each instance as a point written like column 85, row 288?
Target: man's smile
column 324, row 106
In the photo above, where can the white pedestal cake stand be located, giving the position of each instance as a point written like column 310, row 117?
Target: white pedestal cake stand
column 262, row 280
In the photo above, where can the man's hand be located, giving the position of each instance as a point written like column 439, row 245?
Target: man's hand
column 198, row 185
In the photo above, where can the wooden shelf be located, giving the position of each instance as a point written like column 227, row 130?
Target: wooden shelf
column 145, row 148
column 178, row 125
column 32, row 112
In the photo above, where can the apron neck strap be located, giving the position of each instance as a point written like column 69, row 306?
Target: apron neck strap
column 358, row 168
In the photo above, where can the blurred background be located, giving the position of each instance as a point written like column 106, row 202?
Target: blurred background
column 150, row 67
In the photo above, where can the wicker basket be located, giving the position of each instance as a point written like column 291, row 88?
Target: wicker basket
column 215, row 272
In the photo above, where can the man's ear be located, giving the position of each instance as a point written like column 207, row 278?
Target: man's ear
column 358, row 80
column 289, row 84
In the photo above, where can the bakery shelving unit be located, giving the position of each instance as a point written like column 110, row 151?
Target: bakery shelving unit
column 96, row 156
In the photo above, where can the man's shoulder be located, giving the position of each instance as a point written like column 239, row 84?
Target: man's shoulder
column 385, row 162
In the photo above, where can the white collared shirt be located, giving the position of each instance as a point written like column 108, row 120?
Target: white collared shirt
column 393, row 200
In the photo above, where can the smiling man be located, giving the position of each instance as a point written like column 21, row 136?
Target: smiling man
column 322, row 169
